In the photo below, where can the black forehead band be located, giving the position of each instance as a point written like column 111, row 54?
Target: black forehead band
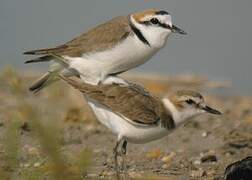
column 162, row 13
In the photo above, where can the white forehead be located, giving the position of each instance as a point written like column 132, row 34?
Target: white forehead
column 165, row 18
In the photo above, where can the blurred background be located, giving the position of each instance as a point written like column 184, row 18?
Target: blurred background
column 218, row 44
column 43, row 137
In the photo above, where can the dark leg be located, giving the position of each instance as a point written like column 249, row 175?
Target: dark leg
column 115, row 151
column 123, row 151
column 124, row 147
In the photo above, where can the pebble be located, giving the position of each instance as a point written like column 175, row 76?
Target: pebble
column 33, row 151
column 106, row 173
column 135, row 174
column 25, row 127
column 168, row 158
column 197, row 162
column 26, row 165
column 229, row 153
column 204, row 134
column 37, row 164
column 92, row 175
column 211, row 172
column 91, row 127
column 208, row 158
column 96, row 151
column 165, row 166
column 198, row 173
column 154, row 154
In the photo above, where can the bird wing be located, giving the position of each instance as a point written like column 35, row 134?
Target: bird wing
column 103, row 36
column 137, row 106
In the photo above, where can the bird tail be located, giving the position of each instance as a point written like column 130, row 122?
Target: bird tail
column 40, row 59
column 44, row 81
column 53, row 74
column 46, row 51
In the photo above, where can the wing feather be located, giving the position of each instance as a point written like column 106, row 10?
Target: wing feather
column 137, row 106
column 103, row 36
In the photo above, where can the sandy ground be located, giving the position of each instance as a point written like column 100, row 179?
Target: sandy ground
column 201, row 149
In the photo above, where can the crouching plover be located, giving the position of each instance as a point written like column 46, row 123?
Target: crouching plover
column 138, row 117
column 109, row 49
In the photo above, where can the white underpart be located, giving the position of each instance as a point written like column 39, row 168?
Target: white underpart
column 94, row 67
column 120, row 126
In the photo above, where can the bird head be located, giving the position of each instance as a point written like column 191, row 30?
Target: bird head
column 185, row 104
column 155, row 25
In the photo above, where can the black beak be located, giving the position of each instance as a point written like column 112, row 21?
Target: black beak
column 175, row 29
column 211, row 110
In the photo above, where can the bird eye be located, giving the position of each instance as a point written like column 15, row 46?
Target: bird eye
column 154, row 21
column 189, row 101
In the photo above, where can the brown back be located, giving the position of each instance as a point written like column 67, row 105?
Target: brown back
column 138, row 106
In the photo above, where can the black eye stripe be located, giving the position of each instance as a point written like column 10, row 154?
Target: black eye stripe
column 190, row 101
column 148, row 23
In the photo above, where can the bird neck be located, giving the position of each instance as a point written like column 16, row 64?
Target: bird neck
column 178, row 116
column 153, row 37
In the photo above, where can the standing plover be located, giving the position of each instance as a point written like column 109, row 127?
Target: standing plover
column 138, row 117
column 110, row 48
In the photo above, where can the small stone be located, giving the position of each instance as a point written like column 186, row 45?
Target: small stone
column 208, row 158
column 211, row 173
column 165, row 166
column 91, row 127
column 182, row 165
column 229, row 153
column 26, row 165
column 168, row 158
column 92, row 175
column 25, row 127
column 197, row 173
column 106, row 173
column 96, row 151
column 201, row 154
column 154, row 154
column 37, row 164
column 204, row 134
column 197, row 162
column 33, row 151
column 135, row 174
column 109, row 173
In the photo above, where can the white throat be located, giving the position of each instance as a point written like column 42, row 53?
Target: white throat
column 179, row 117
column 175, row 113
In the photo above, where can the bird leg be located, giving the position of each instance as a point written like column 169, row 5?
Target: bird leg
column 123, row 151
column 115, row 151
